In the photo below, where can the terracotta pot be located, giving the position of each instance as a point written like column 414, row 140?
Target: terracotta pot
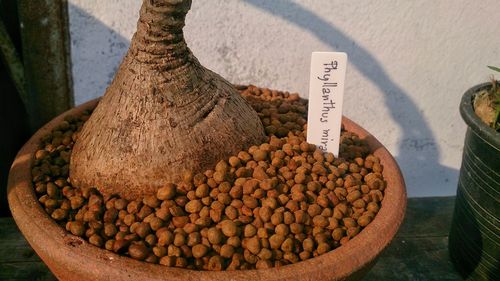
column 71, row 258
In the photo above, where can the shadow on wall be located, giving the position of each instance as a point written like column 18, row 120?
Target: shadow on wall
column 93, row 41
column 417, row 138
column 419, row 153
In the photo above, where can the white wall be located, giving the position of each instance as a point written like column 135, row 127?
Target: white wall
column 410, row 62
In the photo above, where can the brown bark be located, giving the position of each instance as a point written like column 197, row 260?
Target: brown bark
column 163, row 113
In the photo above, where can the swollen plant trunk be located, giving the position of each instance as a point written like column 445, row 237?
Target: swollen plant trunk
column 162, row 115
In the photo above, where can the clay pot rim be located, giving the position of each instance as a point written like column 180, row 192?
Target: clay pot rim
column 61, row 250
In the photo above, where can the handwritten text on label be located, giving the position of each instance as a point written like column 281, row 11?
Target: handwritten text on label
column 326, row 94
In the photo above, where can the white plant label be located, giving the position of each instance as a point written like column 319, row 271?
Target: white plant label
column 326, row 94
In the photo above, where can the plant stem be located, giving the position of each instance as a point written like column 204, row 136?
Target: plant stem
column 14, row 65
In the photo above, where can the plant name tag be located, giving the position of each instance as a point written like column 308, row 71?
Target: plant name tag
column 326, row 94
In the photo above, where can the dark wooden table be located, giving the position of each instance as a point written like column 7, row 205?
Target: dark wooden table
column 419, row 251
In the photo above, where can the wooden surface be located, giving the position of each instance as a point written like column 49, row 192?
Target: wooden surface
column 45, row 53
column 419, row 251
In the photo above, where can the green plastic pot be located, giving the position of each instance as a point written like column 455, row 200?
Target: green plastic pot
column 474, row 240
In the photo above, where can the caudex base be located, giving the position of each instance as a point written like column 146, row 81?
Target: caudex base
column 163, row 114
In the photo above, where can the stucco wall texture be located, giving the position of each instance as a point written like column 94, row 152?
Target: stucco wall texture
column 409, row 62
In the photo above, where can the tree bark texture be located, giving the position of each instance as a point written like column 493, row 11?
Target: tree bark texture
column 162, row 115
